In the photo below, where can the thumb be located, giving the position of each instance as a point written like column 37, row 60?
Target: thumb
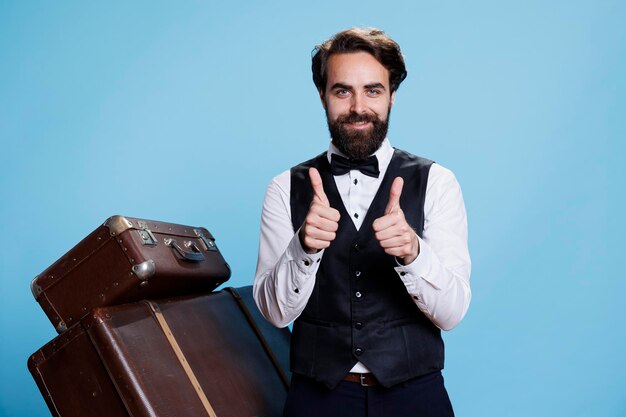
column 394, row 195
column 318, row 187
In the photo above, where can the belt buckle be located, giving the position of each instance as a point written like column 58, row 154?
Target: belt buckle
column 362, row 380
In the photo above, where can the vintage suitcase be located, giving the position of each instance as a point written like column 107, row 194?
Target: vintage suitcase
column 185, row 357
column 125, row 260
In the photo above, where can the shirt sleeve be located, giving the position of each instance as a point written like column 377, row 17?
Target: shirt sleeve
column 439, row 278
column 285, row 274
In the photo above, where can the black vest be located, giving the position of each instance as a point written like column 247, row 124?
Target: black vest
column 359, row 309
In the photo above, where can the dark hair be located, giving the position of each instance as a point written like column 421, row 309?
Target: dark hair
column 374, row 41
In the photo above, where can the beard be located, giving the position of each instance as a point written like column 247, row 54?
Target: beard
column 356, row 143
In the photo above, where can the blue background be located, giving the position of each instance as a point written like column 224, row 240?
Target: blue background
column 184, row 112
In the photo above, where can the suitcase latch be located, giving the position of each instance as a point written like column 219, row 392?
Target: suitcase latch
column 147, row 238
column 209, row 243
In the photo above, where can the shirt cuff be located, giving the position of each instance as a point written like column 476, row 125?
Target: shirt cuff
column 418, row 272
column 306, row 264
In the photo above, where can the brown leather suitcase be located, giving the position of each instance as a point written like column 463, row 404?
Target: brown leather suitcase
column 185, row 357
column 125, row 260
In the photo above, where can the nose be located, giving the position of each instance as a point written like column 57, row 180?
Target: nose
column 358, row 103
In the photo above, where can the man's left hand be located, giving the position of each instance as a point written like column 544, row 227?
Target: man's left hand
column 393, row 232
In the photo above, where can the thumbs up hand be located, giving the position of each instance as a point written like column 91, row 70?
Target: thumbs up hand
column 322, row 221
column 393, row 232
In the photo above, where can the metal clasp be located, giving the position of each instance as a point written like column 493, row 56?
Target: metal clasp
column 362, row 378
column 147, row 238
column 209, row 243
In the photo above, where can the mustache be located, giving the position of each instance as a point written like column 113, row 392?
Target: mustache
column 357, row 118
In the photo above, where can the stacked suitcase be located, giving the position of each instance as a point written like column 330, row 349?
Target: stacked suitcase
column 141, row 333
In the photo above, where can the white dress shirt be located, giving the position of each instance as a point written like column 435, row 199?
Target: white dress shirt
column 438, row 279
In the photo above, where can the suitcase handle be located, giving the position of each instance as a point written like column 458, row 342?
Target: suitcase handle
column 193, row 256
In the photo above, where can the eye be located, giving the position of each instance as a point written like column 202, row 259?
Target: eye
column 374, row 92
column 342, row 92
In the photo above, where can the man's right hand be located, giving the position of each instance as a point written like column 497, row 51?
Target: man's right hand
column 322, row 221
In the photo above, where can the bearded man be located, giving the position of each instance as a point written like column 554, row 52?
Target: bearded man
column 364, row 248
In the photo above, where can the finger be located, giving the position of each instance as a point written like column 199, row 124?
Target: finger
column 394, row 195
column 383, row 223
column 325, row 212
column 319, row 234
column 387, row 221
column 396, row 242
column 398, row 252
column 389, row 233
column 316, row 244
column 398, row 229
column 318, row 187
column 322, row 223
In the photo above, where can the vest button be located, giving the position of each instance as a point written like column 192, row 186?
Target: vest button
column 358, row 325
column 358, row 351
column 357, row 273
column 357, row 294
column 356, row 246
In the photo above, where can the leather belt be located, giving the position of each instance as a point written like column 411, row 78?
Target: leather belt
column 366, row 380
column 158, row 315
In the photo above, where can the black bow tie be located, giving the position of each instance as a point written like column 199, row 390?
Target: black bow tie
column 340, row 165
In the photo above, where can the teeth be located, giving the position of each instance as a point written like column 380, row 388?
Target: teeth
column 359, row 123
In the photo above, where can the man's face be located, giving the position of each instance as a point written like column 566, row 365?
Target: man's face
column 357, row 101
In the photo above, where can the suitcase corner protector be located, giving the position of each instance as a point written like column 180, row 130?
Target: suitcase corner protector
column 35, row 288
column 117, row 224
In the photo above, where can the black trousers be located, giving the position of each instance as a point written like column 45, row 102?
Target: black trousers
column 424, row 396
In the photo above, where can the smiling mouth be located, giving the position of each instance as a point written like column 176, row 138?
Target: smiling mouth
column 358, row 125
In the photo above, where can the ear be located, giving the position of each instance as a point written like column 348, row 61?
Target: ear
column 391, row 100
column 321, row 93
